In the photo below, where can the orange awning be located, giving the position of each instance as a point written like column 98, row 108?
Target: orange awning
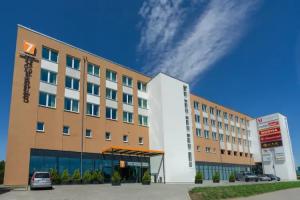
column 131, row 151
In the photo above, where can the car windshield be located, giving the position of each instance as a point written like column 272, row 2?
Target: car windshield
column 42, row 175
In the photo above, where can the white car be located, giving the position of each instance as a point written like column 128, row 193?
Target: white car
column 40, row 180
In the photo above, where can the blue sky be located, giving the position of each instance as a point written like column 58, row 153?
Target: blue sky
column 243, row 55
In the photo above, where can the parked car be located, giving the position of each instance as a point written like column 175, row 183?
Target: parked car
column 246, row 176
column 264, row 177
column 273, row 177
column 40, row 180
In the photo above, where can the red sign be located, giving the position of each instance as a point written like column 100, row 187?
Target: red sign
column 270, row 136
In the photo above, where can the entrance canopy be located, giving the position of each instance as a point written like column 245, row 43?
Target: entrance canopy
column 130, row 151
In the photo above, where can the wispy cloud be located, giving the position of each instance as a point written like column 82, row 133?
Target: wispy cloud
column 216, row 31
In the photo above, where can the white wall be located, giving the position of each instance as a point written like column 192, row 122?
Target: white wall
column 167, row 127
column 255, row 144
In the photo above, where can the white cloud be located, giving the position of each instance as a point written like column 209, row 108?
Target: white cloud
column 215, row 33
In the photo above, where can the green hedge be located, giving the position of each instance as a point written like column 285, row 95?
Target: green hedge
column 2, row 168
column 234, row 191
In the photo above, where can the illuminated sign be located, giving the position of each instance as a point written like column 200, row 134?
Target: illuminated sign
column 122, row 164
column 28, row 48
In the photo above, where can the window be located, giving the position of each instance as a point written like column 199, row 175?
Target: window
column 225, row 115
column 88, row 133
column 198, row 132
column 207, row 149
column 66, row 130
column 196, row 105
column 220, row 124
column 40, row 127
column 92, row 109
column 218, row 113
column 206, row 134
column 221, row 137
column 49, row 54
column 236, row 119
column 48, row 76
column 127, row 117
column 141, row 140
column 197, row 118
column 107, row 136
column 233, row 139
column 142, row 86
column 143, row 103
column 111, row 113
column 222, row 151
column 211, row 110
column 204, row 107
column 93, row 89
column 143, row 120
column 190, row 159
column 229, row 152
column 111, row 94
column 111, row 75
column 231, row 116
column 226, row 127
column 232, row 128
column 241, row 153
column 127, row 81
column 93, row 69
column 214, row 135
column 227, row 138
column 47, row 100
column 213, row 123
column 235, row 153
column 198, row 148
column 185, row 91
column 73, row 62
column 125, row 138
column 72, row 83
column 186, row 106
column 240, row 141
column 127, row 99
column 71, row 105
column 205, row 121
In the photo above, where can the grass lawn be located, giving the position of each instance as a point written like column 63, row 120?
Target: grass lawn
column 225, row 192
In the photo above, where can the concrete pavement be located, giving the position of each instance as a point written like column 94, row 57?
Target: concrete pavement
column 290, row 194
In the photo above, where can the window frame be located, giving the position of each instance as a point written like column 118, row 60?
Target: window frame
column 142, row 86
column 93, row 89
column 49, row 72
column 47, row 100
column 71, row 105
column 50, row 51
column 68, row 127
column 93, row 109
column 126, row 113
column 143, row 117
column 93, row 69
column 73, row 62
column 110, row 77
column 111, row 113
column 125, row 83
column 111, row 94
column 37, row 127
column 91, row 133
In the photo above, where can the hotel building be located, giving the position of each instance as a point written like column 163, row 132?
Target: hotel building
column 71, row 109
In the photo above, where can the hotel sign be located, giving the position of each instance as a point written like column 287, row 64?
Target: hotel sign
column 28, row 53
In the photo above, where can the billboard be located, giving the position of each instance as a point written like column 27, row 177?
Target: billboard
column 269, row 131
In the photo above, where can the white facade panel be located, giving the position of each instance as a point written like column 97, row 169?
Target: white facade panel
column 51, row 66
column 111, row 85
column 127, row 90
column 255, row 144
column 93, row 79
column 93, row 99
column 48, row 88
column 143, row 95
column 72, row 73
column 72, row 94
column 111, row 104
column 127, row 108
column 142, row 111
column 222, row 145
column 205, row 114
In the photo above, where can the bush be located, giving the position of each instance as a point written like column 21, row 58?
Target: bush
column 146, row 180
column 76, row 177
column 216, row 177
column 2, row 169
column 198, row 178
column 232, row 178
column 87, row 177
column 55, row 177
column 116, row 178
column 65, row 177
column 98, row 177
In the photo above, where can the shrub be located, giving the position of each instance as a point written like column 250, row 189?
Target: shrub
column 65, row 177
column 116, row 178
column 87, row 177
column 99, row 178
column 76, row 177
column 55, row 177
column 198, row 178
column 2, row 169
column 216, row 177
column 232, row 177
column 146, row 180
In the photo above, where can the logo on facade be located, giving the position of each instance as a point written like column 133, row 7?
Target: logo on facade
column 28, row 53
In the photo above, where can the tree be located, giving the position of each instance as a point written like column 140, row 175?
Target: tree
column 2, row 169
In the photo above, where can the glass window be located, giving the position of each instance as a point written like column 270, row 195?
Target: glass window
column 127, row 117
column 111, row 75
column 93, row 89
column 49, row 54
column 47, row 100
column 111, row 94
column 66, row 130
column 127, row 98
column 214, row 135
column 88, row 133
column 143, row 103
column 204, row 107
column 206, row 134
column 196, row 105
column 72, row 83
column 111, row 113
column 107, row 136
column 40, row 127
column 73, row 62
column 48, row 76
column 92, row 109
column 125, row 138
column 143, row 120
column 221, row 137
column 93, row 69
column 127, row 81
column 71, row 105
column 141, row 140
column 142, row 86
column 198, row 132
